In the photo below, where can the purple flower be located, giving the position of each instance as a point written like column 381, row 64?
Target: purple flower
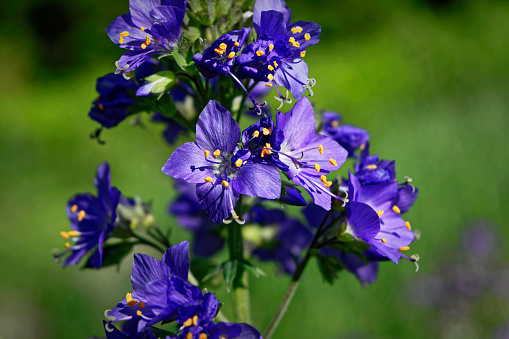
column 374, row 217
column 191, row 216
column 218, row 331
column 350, row 137
column 160, row 288
column 277, row 55
column 92, row 219
column 309, row 156
column 220, row 169
column 150, row 28
column 371, row 170
column 220, row 57
column 110, row 107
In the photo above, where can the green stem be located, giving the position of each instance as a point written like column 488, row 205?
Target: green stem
column 241, row 299
column 149, row 242
column 294, row 284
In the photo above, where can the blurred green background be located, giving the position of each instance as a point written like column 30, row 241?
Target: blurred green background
column 427, row 79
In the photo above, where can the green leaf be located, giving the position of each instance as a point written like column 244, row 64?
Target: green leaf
column 224, row 6
column 113, row 254
column 257, row 272
column 229, row 273
column 160, row 333
column 214, row 272
column 191, row 34
column 329, row 267
column 349, row 244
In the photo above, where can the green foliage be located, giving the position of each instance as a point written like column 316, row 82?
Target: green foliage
column 329, row 267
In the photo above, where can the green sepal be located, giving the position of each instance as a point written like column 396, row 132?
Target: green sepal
column 256, row 271
column 329, row 267
column 162, row 81
column 229, row 273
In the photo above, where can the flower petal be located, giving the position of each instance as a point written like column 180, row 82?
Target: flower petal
column 188, row 162
column 217, row 200
column 216, row 129
column 267, row 5
column 293, row 75
column 298, row 125
column 258, row 180
column 177, row 259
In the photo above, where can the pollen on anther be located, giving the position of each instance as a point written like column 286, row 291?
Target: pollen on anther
column 292, row 39
column 132, row 303
column 323, row 178
column 208, row 179
column 142, row 29
column 124, row 34
column 256, row 134
column 74, row 208
column 335, row 123
column 266, row 131
column 223, row 46
column 128, row 297
column 64, row 235
column 275, row 64
column 101, row 107
column 73, row 233
column 219, row 51
column 195, row 320
column 384, row 240
column 138, row 313
column 141, row 304
column 236, row 44
column 320, row 149
column 231, row 55
column 296, row 29
column 238, row 163
column 270, row 67
column 202, row 336
column 81, row 215
column 268, row 85
column 143, row 45
column 260, row 53
column 296, row 44
column 396, row 209
column 333, row 162
column 225, row 183
column 302, row 54
column 67, row 245
column 371, row 167
column 307, row 36
column 404, row 248
column 189, row 335
column 270, row 77
column 188, row 322
column 407, row 225
column 317, row 167
column 380, row 213
column 217, row 153
column 206, row 153
column 271, row 47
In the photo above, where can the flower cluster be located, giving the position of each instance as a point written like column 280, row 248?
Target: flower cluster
column 196, row 68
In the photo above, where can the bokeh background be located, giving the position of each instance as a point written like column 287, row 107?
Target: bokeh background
column 428, row 80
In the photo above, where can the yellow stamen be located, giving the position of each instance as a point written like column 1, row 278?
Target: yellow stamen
column 296, row 44
column 121, row 40
column 275, row 64
column 238, row 163
column 124, row 33
column 407, row 225
column 219, row 51
column 404, row 248
column 141, row 304
column 270, row 68
column 396, row 209
column 372, row 167
column 223, row 46
column 128, row 297
column 292, row 39
column 320, row 149
column 225, row 183
column 132, row 303
column 188, row 322
column 189, row 335
column 296, row 29
column 67, row 245
column 256, row 134
column 363, row 146
column 73, row 233
column 217, row 153
column 323, row 178
column 143, row 45
column 302, row 54
column 74, row 208
column 203, row 336
column 270, row 77
column 208, row 179
column 138, row 313
column 236, row 44
column 328, row 184
column 101, row 107
column 333, row 162
column 64, row 235
column 147, row 40
column 142, row 29
column 231, row 55
column 307, row 36
column 380, row 213
column 317, row 167
column 260, row 53
column 206, row 153
column 384, row 240
column 195, row 320
column 266, row 151
column 266, row 131
column 271, row 47
column 81, row 215
column 335, row 123
column 268, row 85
